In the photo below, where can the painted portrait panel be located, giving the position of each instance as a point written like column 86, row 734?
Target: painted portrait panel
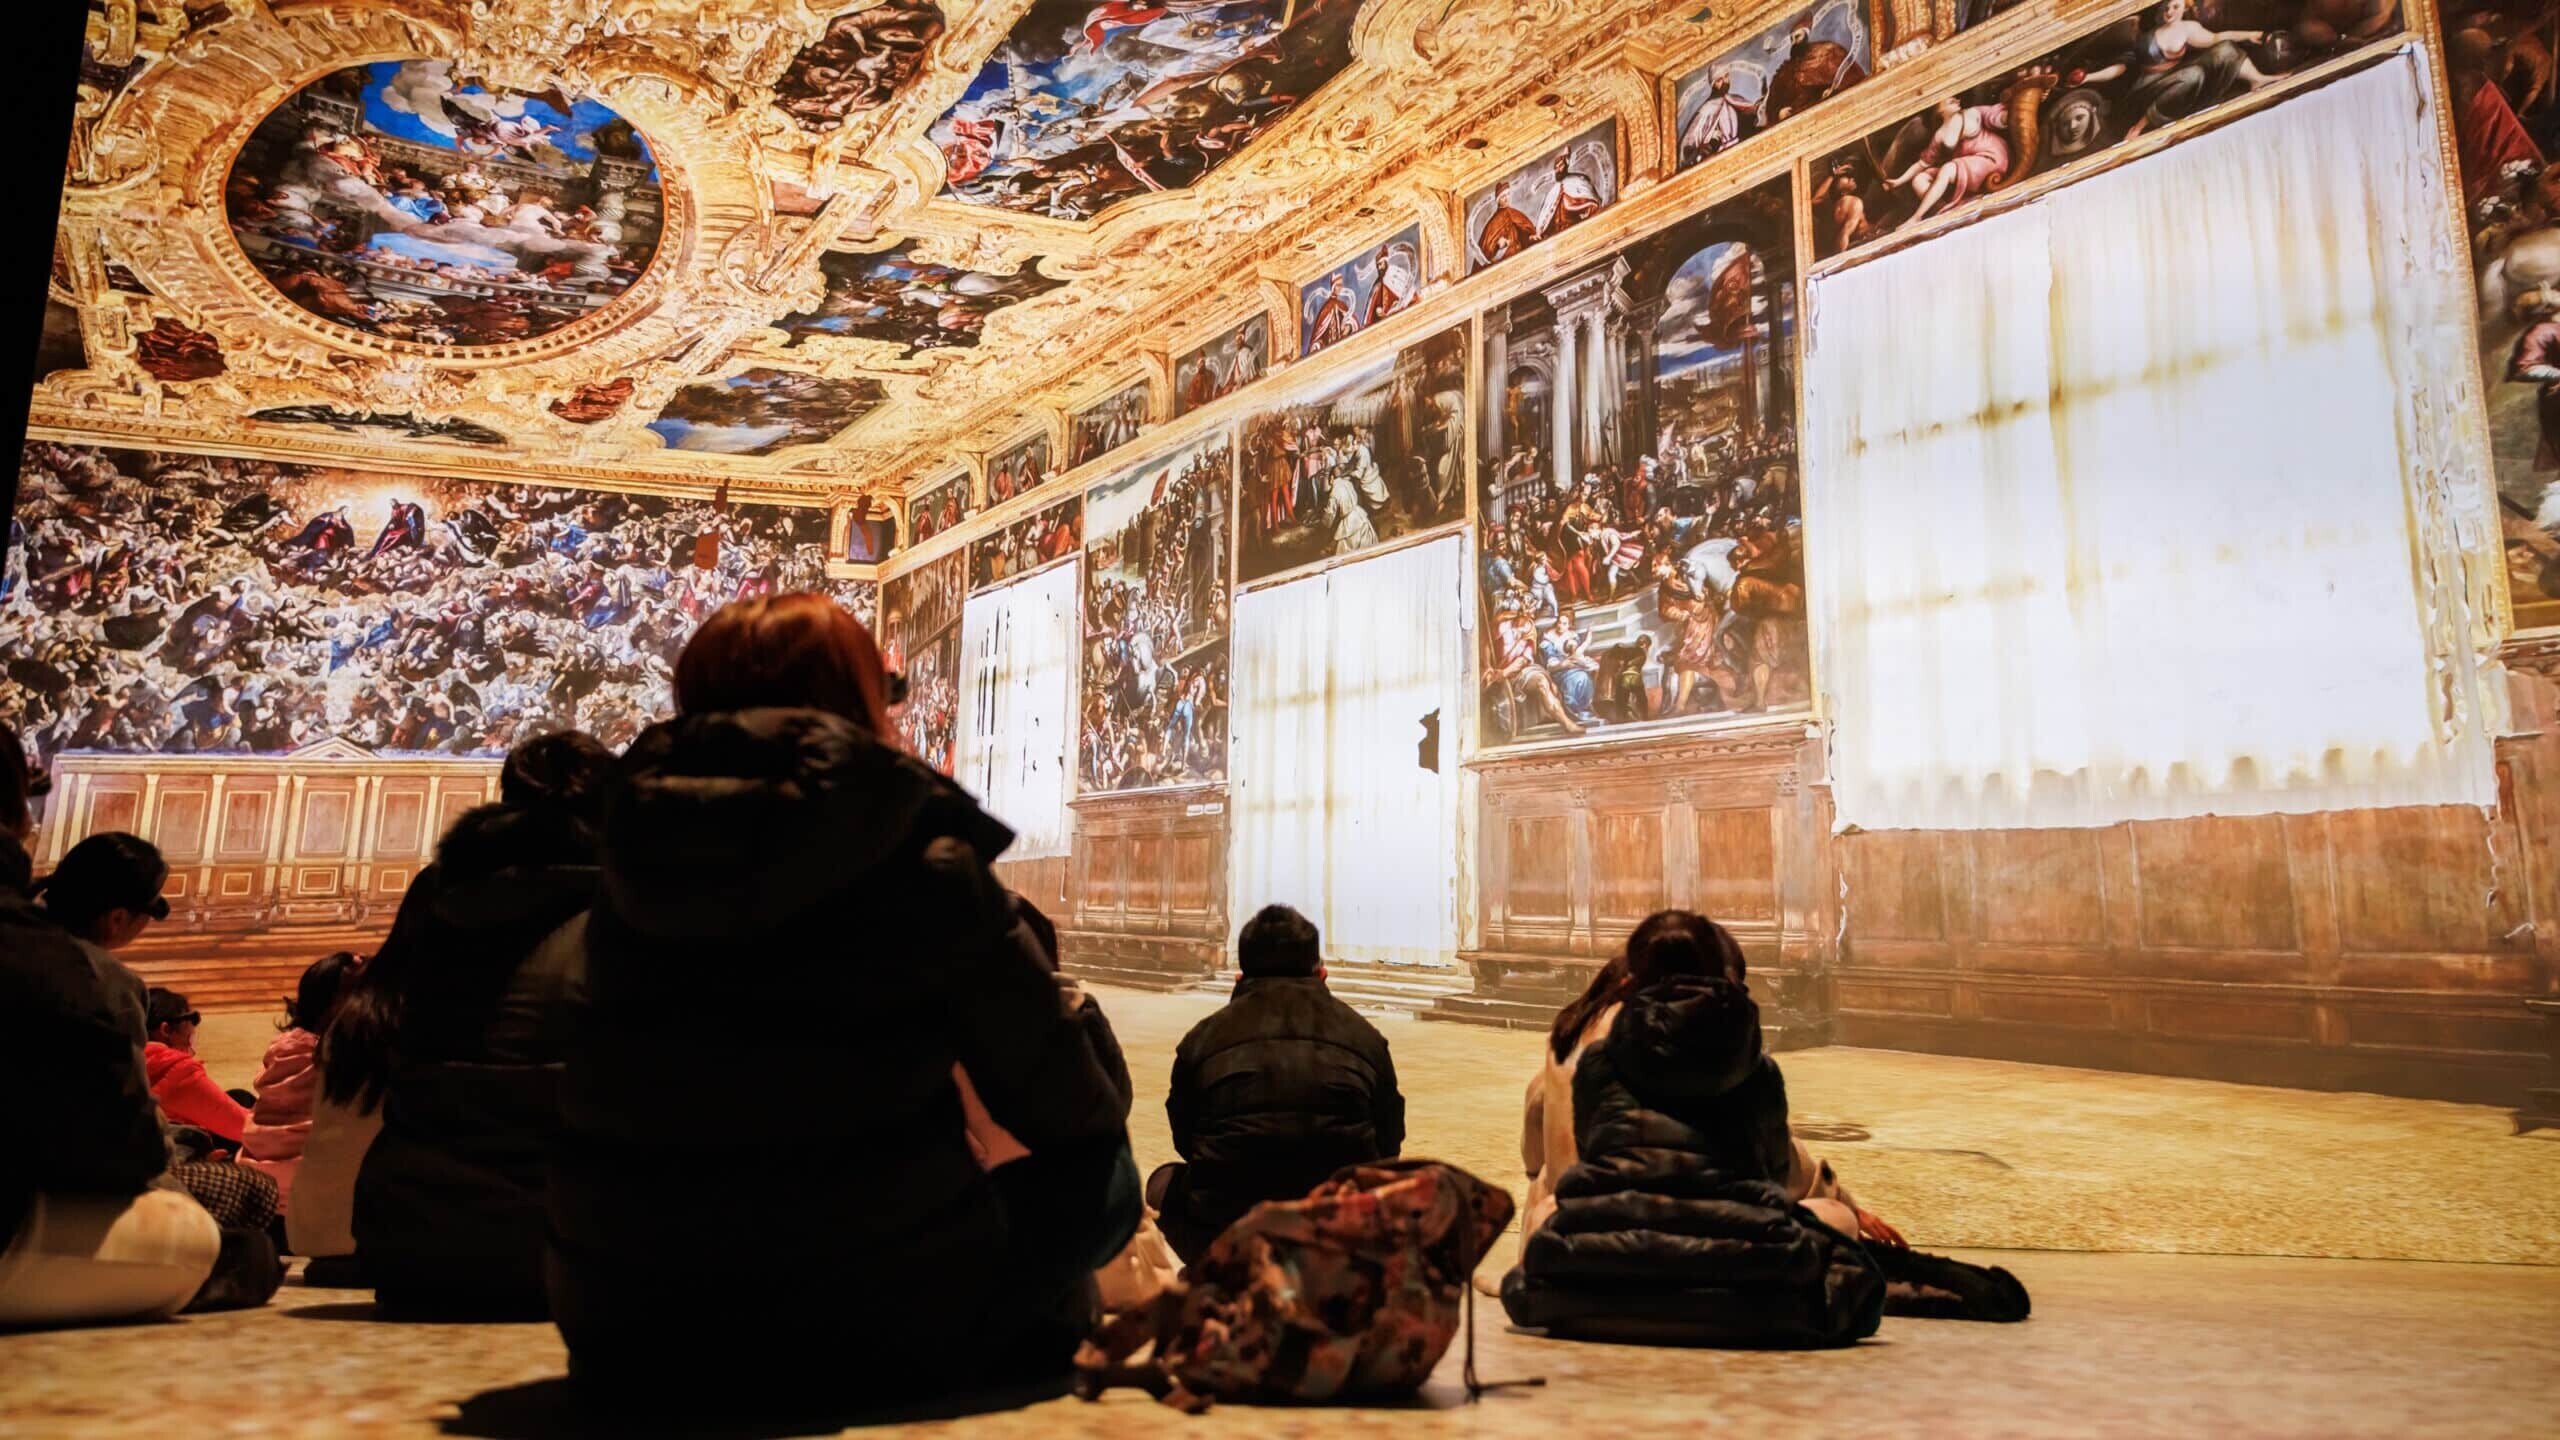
column 871, row 536
column 1105, row 426
column 2130, row 75
column 2506, row 126
column 1036, row 541
column 1798, row 62
column 1543, row 198
column 1018, row 469
column 938, row 509
column 1155, row 624
column 1090, row 102
column 405, row 424
column 859, row 62
column 1360, row 292
column 1370, row 458
column 61, row 346
column 1227, row 364
column 919, row 304
column 1642, row 543
column 406, row 200
column 920, row 639
column 760, row 411
column 283, row 604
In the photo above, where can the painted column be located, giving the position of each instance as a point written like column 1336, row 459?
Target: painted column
column 1561, row 405
column 1497, row 382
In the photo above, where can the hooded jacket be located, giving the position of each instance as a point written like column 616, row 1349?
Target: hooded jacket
column 70, row 1041
column 1674, row 1225
column 449, row 1200
column 802, row 922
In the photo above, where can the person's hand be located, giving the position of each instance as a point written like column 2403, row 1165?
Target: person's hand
column 1872, row 1226
column 1071, row 994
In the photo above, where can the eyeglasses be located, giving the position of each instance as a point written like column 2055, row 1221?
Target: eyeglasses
column 192, row 1017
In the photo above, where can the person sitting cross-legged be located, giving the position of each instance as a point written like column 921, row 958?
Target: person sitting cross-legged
column 1275, row 1092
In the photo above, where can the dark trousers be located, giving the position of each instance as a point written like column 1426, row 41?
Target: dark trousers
column 1068, row 1210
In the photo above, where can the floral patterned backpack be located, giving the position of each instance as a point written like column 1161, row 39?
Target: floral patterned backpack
column 1352, row 1293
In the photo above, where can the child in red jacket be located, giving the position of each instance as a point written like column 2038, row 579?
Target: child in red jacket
column 179, row 1081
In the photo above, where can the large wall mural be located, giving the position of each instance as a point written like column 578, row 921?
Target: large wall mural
column 1795, row 64
column 1642, row 558
column 404, row 200
column 1042, row 538
column 1374, row 456
column 1223, row 366
column 1107, row 424
column 859, row 62
column 2506, row 121
column 1543, row 198
column 1089, row 102
column 1360, row 292
column 761, row 410
column 920, row 639
column 2133, row 74
column 1156, row 624
column 920, row 304
column 158, row 602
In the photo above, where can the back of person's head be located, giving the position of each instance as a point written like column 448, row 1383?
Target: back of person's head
column 107, row 888
column 794, row 651
column 566, row 769
column 18, row 785
column 315, row 999
column 1668, row 943
column 168, row 1018
column 1278, row 942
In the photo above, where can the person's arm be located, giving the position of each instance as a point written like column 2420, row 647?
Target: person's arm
column 1179, row 1101
column 1533, row 1125
column 92, row 1129
column 189, row 1096
column 1035, row 1067
column 1387, row 1105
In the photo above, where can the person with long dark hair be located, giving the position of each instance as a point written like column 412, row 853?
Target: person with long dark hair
column 1668, row 1202
column 454, row 1036
column 805, row 914
column 289, row 1074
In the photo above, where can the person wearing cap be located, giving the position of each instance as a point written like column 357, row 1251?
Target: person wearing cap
column 85, row 1236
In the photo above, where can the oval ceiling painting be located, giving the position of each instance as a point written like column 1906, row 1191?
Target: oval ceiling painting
column 399, row 199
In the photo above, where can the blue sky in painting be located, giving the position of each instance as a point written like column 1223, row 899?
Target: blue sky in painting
column 1680, row 350
column 570, row 131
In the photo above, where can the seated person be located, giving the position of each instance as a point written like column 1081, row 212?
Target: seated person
column 179, row 1081
column 85, row 1236
column 289, row 1076
column 1668, row 1202
column 765, row 1191
column 1275, row 1092
column 453, row 1033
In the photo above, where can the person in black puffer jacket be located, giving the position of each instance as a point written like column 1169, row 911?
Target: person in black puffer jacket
column 1674, row 1222
column 454, row 1030
column 804, row 915
column 1275, row 1092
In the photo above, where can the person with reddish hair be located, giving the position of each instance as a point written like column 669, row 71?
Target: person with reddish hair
column 801, row 916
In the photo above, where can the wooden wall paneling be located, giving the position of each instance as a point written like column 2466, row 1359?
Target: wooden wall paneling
column 1147, row 883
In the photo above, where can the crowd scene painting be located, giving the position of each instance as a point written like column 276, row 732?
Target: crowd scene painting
column 859, row 62
column 1795, row 64
column 2136, row 73
column 1223, row 366
column 1156, row 624
column 762, row 410
column 1375, row 456
column 2506, row 125
column 938, row 509
column 1360, row 292
column 403, row 200
column 919, row 633
column 1090, row 102
column 1543, row 198
column 1018, row 469
column 1649, row 566
column 166, row 603
column 1046, row 535
column 920, row 304
column 1107, row 425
